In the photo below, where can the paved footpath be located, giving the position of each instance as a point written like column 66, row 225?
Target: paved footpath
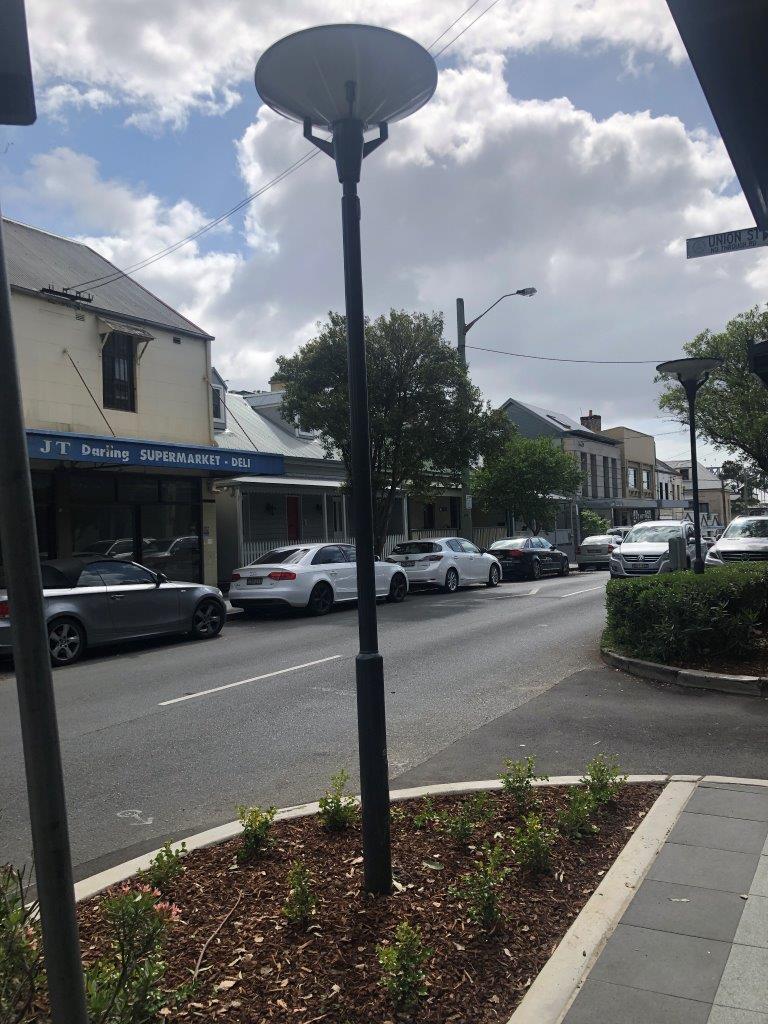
column 692, row 947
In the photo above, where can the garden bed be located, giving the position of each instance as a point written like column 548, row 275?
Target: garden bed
column 259, row 967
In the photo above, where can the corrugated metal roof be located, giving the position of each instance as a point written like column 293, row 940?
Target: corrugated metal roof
column 37, row 259
column 560, row 420
column 247, row 429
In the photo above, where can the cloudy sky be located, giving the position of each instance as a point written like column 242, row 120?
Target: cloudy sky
column 568, row 147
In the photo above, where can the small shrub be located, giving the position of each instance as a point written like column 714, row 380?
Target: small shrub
column 402, row 964
column 518, row 781
column 165, row 867
column 301, row 901
column 21, row 957
column 532, row 845
column 337, row 811
column 480, row 888
column 574, row 820
column 604, row 780
column 427, row 816
column 256, row 823
column 460, row 827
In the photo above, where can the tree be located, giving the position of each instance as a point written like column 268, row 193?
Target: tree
column 527, row 477
column 743, row 481
column 427, row 419
column 732, row 409
column 591, row 523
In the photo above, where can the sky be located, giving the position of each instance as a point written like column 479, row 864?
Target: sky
column 568, row 146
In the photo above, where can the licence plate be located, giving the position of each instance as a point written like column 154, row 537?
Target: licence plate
column 409, row 563
column 254, row 581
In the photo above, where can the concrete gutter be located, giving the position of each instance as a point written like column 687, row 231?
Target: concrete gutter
column 746, row 686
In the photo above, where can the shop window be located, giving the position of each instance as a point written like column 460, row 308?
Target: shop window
column 118, row 364
column 180, row 490
column 103, row 530
column 171, row 540
column 137, row 488
column 92, row 487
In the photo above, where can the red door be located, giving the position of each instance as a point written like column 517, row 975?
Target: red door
column 292, row 514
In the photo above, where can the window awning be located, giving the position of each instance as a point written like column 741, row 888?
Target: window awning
column 287, row 482
column 106, row 326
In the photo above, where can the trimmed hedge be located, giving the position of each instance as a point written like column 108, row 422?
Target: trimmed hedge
column 676, row 616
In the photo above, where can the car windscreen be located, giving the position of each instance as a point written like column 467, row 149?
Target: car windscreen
column 415, row 547
column 599, row 538
column 747, row 528
column 652, row 534
column 281, row 556
column 513, row 542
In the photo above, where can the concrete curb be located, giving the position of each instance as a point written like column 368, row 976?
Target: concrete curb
column 557, row 984
column 221, row 833
column 746, row 686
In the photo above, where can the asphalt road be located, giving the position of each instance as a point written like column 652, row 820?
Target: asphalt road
column 164, row 739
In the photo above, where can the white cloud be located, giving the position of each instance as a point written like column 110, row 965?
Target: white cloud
column 55, row 100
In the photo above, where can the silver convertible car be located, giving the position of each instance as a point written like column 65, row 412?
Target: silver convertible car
column 92, row 601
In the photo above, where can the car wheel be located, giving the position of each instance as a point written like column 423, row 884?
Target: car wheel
column 565, row 568
column 494, row 576
column 66, row 641
column 398, row 588
column 208, row 620
column 536, row 569
column 451, row 581
column 320, row 600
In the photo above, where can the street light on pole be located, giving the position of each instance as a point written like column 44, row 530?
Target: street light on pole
column 693, row 374
column 462, row 327
column 345, row 80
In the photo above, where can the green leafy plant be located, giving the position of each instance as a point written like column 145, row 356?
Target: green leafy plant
column 337, row 811
column 460, row 827
column 517, row 781
column 403, row 972
column 256, row 823
column 165, row 867
column 480, row 889
column 427, row 816
column 532, row 844
column 574, row 820
column 21, row 960
column 604, row 780
column 301, row 901
column 591, row 523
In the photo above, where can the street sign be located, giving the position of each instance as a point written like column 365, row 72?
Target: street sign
column 725, row 241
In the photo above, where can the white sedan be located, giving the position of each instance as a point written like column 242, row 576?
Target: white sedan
column 448, row 562
column 311, row 576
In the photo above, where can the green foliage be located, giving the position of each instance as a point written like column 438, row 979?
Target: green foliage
column 521, row 475
column 532, row 844
column 256, row 823
column 21, row 960
column 674, row 617
column 517, row 781
column 403, row 963
column 426, row 416
column 337, row 811
column 604, row 779
column 742, row 480
column 460, row 827
column 574, row 820
column 591, row 523
column 732, row 409
column 428, row 814
column 165, row 867
column 480, row 889
column 301, row 901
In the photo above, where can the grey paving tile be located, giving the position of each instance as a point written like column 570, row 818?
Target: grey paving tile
column 685, row 910
column 720, row 833
column 601, row 1003
column 753, row 927
column 673, row 965
column 729, row 803
column 729, row 1015
column 734, row 787
column 709, row 869
column 760, row 882
column 744, row 984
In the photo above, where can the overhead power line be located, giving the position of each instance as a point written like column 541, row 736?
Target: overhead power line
column 454, row 22
column 466, row 28
column 563, row 359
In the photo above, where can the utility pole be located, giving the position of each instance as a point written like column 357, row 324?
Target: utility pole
column 465, row 520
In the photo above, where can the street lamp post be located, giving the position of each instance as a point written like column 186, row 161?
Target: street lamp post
column 347, row 79
column 693, row 374
column 462, row 327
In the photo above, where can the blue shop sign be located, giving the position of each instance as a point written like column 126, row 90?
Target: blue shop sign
column 123, row 451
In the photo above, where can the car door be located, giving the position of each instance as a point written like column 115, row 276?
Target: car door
column 138, row 606
column 473, row 560
column 543, row 549
column 333, row 563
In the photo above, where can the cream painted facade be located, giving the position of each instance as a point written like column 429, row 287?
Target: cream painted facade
column 638, row 457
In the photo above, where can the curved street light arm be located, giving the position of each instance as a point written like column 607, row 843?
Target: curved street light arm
column 526, row 292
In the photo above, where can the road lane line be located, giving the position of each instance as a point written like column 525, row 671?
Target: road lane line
column 589, row 590
column 242, row 682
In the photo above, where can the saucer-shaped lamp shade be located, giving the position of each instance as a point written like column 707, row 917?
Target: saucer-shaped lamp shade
column 305, row 75
column 689, row 369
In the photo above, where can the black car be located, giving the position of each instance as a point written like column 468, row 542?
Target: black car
column 529, row 558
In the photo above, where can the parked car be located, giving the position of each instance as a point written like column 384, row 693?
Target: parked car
column 645, row 549
column 447, row 562
column 594, row 552
column 618, row 531
column 311, row 576
column 92, row 601
column 529, row 558
column 745, row 540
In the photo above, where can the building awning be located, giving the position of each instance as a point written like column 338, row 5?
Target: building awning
column 106, row 326
column 287, row 481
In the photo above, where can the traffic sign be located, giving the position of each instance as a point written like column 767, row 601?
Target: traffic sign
column 725, row 241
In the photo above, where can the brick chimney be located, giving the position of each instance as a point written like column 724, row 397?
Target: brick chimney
column 592, row 422
column 277, row 383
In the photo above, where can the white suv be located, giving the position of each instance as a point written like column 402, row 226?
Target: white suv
column 645, row 549
column 448, row 562
column 745, row 540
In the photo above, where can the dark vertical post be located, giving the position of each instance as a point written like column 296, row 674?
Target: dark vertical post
column 40, row 736
column 465, row 511
column 691, row 390
column 369, row 667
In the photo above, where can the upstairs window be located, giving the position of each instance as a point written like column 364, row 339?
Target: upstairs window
column 118, row 364
column 632, row 478
column 218, row 405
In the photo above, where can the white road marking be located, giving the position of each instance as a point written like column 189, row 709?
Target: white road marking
column 589, row 590
column 136, row 815
column 242, row 682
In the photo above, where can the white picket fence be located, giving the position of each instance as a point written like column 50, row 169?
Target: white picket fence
column 254, row 549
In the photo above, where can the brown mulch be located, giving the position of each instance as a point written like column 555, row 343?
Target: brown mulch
column 258, row 968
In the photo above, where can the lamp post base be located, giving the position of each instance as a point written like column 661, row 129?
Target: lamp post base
column 374, row 773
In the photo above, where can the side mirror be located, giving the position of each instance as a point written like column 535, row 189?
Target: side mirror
column 160, row 578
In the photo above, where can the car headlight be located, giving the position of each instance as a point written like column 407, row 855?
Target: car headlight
column 713, row 555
